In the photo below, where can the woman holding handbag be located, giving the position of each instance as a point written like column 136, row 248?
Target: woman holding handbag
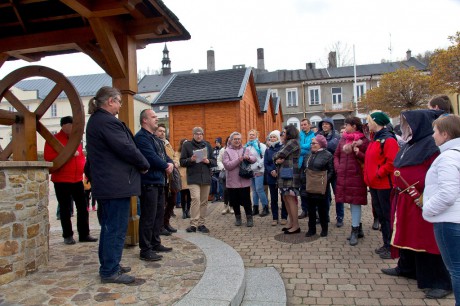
column 316, row 173
column 287, row 159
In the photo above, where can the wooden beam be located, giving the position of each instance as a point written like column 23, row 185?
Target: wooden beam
column 109, row 44
column 34, row 42
column 97, row 9
column 8, row 118
column 3, row 58
column 95, row 53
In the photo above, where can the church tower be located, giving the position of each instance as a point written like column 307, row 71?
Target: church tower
column 166, row 62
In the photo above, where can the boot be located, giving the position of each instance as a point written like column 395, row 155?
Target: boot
column 184, row 214
column 250, row 221
column 324, row 229
column 232, row 211
column 354, row 235
column 264, row 212
column 188, row 213
column 375, row 225
column 255, row 210
column 238, row 220
column 226, row 209
column 360, row 232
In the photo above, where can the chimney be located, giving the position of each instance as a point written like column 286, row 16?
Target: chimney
column 408, row 54
column 311, row 66
column 332, row 59
column 260, row 59
column 211, row 61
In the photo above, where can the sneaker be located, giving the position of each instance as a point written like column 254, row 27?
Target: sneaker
column 232, row 211
column 150, row 256
column 283, row 222
column 87, row 239
column 339, row 223
column 162, row 248
column 385, row 254
column 437, row 293
column 125, row 269
column 191, row 229
column 203, row 229
column 274, row 222
column 69, row 240
column 380, row 250
column 375, row 225
column 391, row 271
column 118, row 278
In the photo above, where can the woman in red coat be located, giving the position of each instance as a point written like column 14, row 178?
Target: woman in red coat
column 412, row 236
column 348, row 164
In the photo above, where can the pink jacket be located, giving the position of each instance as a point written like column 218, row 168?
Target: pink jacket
column 231, row 163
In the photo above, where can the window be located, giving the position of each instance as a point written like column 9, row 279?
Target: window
column 274, row 93
column 293, row 121
column 315, row 120
column 53, row 110
column 336, row 95
column 11, row 109
column 314, row 94
column 291, row 97
column 360, row 90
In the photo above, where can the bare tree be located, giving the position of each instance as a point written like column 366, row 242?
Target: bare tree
column 147, row 71
column 343, row 53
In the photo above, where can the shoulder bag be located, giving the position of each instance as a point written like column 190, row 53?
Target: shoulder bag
column 316, row 180
column 245, row 168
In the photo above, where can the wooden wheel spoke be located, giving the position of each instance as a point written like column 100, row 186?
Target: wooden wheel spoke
column 6, row 152
column 15, row 102
column 54, row 143
column 48, row 101
column 8, row 118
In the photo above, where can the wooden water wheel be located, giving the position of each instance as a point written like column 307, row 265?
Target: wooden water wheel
column 25, row 123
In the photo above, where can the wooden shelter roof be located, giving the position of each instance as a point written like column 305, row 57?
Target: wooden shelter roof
column 32, row 29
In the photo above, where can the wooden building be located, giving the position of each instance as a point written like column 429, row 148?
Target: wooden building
column 220, row 102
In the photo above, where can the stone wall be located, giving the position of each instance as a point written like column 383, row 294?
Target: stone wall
column 24, row 220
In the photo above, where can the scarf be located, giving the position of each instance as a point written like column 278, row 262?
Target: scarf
column 354, row 136
column 255, row 144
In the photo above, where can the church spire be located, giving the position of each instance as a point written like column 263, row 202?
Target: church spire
column 166, row 62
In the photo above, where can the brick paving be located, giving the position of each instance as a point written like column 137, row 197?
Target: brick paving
column 320, row 271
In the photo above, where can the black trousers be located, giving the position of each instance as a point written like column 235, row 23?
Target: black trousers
column 240, row 196
column 382, row 206
column 170, row 198
column 322, row 206
column 65, row 192
column 185, row 199
column 428, row 269
column 151, row 219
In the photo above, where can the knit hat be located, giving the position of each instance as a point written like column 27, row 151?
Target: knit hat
column 66, row 119
column 219, row 140
column 380, row 118
column 276, row 133
column 321, row 140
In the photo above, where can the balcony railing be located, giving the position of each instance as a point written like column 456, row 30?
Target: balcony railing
column 339, row 107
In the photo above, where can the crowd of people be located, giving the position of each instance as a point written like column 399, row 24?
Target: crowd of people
column 413, row 180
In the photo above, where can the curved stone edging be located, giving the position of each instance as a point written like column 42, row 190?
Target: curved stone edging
column 223, row 281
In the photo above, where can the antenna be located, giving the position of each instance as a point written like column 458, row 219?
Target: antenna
column 390, row 49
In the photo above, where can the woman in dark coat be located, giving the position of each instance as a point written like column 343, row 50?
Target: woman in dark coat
column 348, row 164
column 271, row 175
column 288, row 157
column 319, row 159
column 412, row 236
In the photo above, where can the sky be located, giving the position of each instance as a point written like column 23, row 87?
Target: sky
column 291, row 32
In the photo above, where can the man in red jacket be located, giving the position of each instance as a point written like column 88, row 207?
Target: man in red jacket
column 68, row 184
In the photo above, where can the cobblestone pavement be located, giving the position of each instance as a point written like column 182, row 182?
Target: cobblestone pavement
column 318, row 271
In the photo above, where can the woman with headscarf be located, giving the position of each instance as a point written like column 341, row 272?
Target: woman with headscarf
column 441, row 197
column 412, row 237
column 378, row 169
column 348, row 164
column 238, row 187
column 274, row 145
column 319, row 159
column 288, row 157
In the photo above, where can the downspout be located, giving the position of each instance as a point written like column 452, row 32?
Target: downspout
column 304, row 108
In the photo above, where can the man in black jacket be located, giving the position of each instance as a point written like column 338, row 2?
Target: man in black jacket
column 197, row 156
column 116, row 166
column 153, row 187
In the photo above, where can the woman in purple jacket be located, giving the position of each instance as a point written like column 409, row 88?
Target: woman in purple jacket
column 239, row 190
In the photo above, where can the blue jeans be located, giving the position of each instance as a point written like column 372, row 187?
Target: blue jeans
column 216, row 186
column 114, row 224
column 258, row 192
column 448, row 239
column 339, row 207
column 355, row 214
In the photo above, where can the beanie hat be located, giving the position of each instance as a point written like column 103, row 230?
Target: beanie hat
column 65, row 120
column 276, row 133
column 321, row 140
column 219, row 140
column 380, row 118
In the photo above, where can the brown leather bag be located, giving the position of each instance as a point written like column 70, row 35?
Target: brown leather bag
column 316, row 181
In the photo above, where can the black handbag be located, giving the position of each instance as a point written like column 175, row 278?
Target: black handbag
column 287, row 173
column 245, row 169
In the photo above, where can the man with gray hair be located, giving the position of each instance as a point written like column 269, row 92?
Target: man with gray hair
column 197, row 157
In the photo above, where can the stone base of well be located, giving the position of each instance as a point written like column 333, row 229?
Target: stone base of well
column 24, row 218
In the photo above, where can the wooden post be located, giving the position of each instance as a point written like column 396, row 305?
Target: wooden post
column 25, row 138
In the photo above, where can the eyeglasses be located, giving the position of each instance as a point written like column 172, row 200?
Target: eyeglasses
column 237, row 139
column 118, row 100
column 199, row 134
